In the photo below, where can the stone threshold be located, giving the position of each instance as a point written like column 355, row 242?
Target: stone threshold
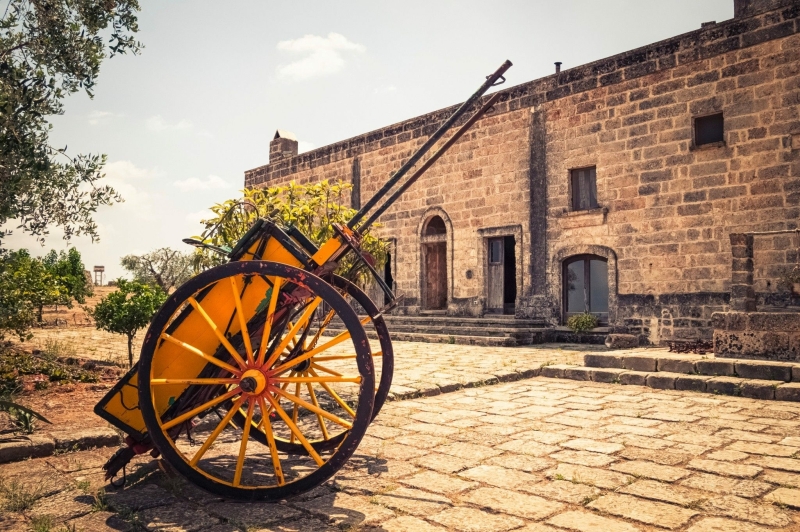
column 746, row 378
column 14, row 448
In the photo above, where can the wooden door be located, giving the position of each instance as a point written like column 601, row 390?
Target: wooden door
column 495, row 272
column 435, row 275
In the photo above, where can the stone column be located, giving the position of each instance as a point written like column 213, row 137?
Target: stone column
column 743, row 298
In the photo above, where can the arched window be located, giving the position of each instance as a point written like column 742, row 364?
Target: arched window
column 435, row 226
column 586, row 286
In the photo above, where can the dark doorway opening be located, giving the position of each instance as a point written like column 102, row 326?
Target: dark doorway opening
column 502, row 275
column 387, row 277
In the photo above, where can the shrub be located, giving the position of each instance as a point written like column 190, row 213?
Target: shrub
column 582, row 322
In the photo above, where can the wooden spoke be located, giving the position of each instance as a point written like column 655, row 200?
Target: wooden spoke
column 218, row 332
column 208, row 358
column 213, row 436
column 339, row 338
column 293, row 331
column 202, row 408
column 295, row 409
column 315, row 409
column 237, row 475
column 283, row 387
column 273, row 301
column 294, row 429
column 335, row 395
column 237, row 300
column 343, row 357
column 273, row 450
column 320, row 419
column 326, row 370
column 317, row 379
column 194, row 381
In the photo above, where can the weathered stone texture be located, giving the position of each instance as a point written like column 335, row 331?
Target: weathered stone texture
column 666, row 206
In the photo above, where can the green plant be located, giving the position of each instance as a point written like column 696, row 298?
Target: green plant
column 24, row 418
column 313, row 209
column 41, row 523
column 54, row 349
column 100, row 503
column 164, row 267
column 15, row 364
column 17, row 497
column 127, row 310
column 580, row 323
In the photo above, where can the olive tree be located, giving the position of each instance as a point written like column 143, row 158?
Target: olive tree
column 164, row 267
column 48, row 50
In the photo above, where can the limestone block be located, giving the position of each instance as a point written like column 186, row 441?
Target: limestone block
column 607, row 374
column 22, row 447
column 640, row 363
column 770, row 371
column 724, row 385
column 693, row 383
column 578, row 373
column 621, row 341
column 662, row 380
column 715, row 367
column 602, row 360
column 638, row 378
column 555, row 371
column 676, row 365
column 788, row 392
column 774, row 321
column 759, row 389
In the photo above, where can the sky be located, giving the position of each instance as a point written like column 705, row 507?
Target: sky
column 181, row 122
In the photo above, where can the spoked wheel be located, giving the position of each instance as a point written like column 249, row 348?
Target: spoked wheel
column 332, row 362
column 193, row 379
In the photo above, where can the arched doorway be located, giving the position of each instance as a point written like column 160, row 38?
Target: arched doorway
column 434, row 261
column 585, row 280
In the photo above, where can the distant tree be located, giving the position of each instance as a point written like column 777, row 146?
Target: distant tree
column 48, row 50
column 164, row 267
column 128, row 309
column 25, row 287
column 69, row 274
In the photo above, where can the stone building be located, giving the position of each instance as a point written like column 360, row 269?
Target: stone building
column 610, row 187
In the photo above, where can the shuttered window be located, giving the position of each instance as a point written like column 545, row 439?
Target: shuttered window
column 584, row 188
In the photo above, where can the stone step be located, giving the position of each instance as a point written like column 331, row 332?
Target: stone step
column 666, row 380
column 422, row 336
column 449, row 321
column 695, row 365
column 464, row 330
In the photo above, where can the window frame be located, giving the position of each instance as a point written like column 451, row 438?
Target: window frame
column 575, row 192
column 586, row 258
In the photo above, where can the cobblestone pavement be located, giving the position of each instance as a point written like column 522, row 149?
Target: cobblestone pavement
column 420, row 368
column 536, row 455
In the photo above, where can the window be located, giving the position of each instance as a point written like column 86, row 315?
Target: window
column 708, row 129
column 584, row 188
column 586, row 286
column 496, row 251
column 435, row 226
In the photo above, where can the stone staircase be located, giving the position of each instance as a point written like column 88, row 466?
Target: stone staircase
column 497, row 331
column 669, row 371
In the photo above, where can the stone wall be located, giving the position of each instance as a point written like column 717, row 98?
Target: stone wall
column 666, row 206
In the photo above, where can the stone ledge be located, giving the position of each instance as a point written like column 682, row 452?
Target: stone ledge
column 751, row 388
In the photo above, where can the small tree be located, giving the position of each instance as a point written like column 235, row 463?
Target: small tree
column 164, row 267
column 26, row 286
column 128, row 309
column 69, row 274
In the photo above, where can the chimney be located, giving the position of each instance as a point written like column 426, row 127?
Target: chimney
column 747, row 8
column 283, row 145
column 558, row 67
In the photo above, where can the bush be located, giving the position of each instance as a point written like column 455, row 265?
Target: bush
column 582, row 322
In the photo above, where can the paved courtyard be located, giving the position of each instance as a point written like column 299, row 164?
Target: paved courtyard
column 535, row 455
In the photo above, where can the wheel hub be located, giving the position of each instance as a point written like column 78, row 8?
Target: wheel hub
column 253, row 382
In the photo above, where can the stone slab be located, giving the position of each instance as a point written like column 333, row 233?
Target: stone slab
column 578, row 373
column 608, row 375
column 603, row 360
column 788, row 392
column 640, row 363
column 715, row 367
column 692, row 383
column 22, row 447
column 636, row 378
column 724, row 385
column 752, row 369
column 759, row 389
column 676, row 365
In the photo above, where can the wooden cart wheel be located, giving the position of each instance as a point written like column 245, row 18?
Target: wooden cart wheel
column 332, row 361
column 192, row 380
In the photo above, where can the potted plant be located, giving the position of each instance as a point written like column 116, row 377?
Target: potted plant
column 791, row 280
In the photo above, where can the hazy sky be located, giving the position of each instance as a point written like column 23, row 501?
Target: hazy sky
column 181, row 122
